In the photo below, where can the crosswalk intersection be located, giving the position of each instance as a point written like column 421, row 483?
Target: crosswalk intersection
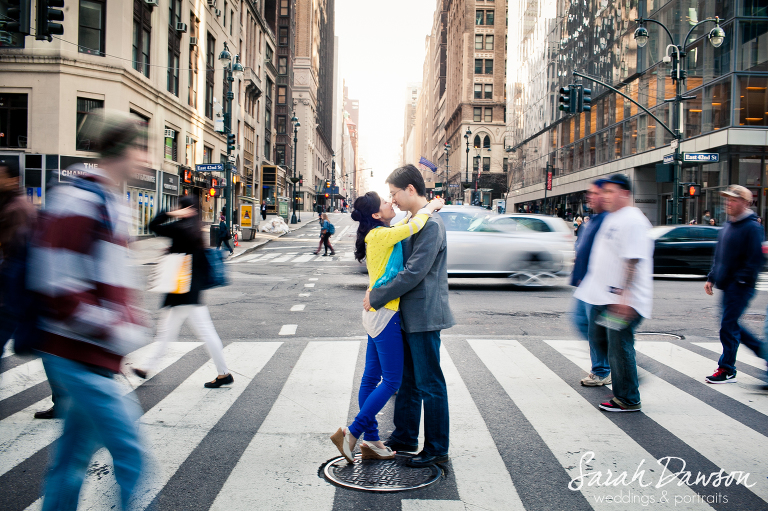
column 524, row 434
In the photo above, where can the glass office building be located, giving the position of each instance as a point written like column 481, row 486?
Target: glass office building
column 549, row 39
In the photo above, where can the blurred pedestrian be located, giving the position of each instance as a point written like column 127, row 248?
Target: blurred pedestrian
column 326, row 231
column 619, row 286
column 738, row 260
column 712, row 222
column 263, row 210
column 186, row 238
column 706, row 218
column 600, row 373
column 80, row 269
column 379, row 245
column 224, row 236
column 577, row 225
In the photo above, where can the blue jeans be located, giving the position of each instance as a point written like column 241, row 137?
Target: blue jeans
column 95, row 413
column 381, row 378
column 599, row 358
column 620, row 347
column 423, row 381
column 736, row 298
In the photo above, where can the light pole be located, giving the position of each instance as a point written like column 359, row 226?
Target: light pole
column 230, row 72
column 294, row 179
column 716, row 37
column 333, row 181
column 466, row 176
column 445, row 185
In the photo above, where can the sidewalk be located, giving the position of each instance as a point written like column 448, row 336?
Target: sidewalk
column 149, row 250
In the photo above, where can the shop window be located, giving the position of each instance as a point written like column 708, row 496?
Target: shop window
column 13, row 120
column 92, row 19
column 752, row 105
column 478, row 91
column 753, row 47
column 717, row 107
column 84, row 107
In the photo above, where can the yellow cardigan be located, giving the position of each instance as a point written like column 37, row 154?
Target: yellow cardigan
column 379, row 244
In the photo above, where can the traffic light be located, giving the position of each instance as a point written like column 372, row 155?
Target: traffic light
column 692, row 190
column 48, row 12
column 20, row 11
column 585, row 99
column 216, row 187
column 567, row 101
column 230, row 142
column 327, row 185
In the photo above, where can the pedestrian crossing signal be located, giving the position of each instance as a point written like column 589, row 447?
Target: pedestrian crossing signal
column 694, row 190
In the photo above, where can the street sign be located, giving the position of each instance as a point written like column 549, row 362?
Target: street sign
column 669, row 158
column 673, row 145
column 455, row 185
column 701, row 157
column 210, row 167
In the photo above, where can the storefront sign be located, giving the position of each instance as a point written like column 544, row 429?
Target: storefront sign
column 200, row 180
column 246, row 216
column 549, row 181
column 67, row 174
column 143, row 178
column 210, row 167
column 701, row 157
column 668, row 158
column 171, row 185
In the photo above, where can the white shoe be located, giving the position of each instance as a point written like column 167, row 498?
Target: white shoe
column 592, row 380
column 341, row 441
column 371, row 452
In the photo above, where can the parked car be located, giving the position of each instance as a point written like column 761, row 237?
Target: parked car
column 684, row 249
column 482, row 243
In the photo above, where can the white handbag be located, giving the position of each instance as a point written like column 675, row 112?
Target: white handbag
column 172, row 274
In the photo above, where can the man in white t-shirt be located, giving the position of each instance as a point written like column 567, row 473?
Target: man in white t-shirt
column 619, row 285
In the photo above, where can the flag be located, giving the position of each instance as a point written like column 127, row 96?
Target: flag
column 431, row 166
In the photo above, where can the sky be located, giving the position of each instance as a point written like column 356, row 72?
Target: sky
column 381, row 51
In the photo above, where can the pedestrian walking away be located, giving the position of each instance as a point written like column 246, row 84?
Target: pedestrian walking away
column 422, row 287
column 186, row 238
column 80, row 269
column 327, row 230
column 738, row 260
column 619, row 287
column 600, row 373
column 381, row 248
column 224, row 235
column 263, row 210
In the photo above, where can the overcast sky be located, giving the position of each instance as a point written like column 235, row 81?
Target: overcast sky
column 381, row 51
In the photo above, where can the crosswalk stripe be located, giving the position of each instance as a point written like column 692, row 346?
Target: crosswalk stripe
column 21, row 435
column 434, row 505
column 303, row 258
column 744, row 355
column 481, row 477
column 278, row 469
column 282, row 259
column 697, row 367
column 176, row 425
column 21, row 377
column 675, row 411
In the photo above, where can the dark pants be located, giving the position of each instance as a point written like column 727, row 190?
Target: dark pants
column 736, row 298
column 423, row 381
column 620, row 348
column 227, row 244
column 327, row 242
column 263, row 215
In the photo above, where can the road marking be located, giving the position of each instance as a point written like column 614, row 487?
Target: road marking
column 298, row 308
column 21, row 378
column 343, row 232
column 309, row 285
column 247, row 258
column 683, row 419
column 433, row 505
column 303, row 259
column 288, row 330
column 312, row 279
column 304, row 294
column 278, row 470
column 282, row 259
column 744, row 355
column 348, row 256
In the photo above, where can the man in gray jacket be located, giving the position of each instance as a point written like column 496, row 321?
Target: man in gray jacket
column 423, row 290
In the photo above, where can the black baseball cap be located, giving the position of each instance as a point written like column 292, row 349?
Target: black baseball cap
column 622, row 180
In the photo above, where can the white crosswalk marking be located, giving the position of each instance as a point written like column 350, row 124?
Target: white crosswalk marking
column 744, row 355
column 21, row 377
column 288, row 330
column 278, row 470
column 303, row 258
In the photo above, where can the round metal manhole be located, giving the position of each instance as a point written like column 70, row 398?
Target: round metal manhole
column 380, row 475
column 657, row 336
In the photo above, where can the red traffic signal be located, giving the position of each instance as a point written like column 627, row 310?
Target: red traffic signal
column 693, row 190
column 326, row 195
column 212, row 192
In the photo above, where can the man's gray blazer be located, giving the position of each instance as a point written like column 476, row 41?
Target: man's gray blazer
column 423, row 284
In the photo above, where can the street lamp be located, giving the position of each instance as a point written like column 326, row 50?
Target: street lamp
column 294, row 179
column 447, row 148
column 231, row 71
column 333, row 181
column 716, row 38
column 467, row 134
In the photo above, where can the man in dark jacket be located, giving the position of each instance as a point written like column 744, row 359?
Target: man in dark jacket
column 224, row 236
column 738, row 259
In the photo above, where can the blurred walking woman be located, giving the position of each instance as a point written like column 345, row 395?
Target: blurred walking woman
column 186, row 238
column 379, row 245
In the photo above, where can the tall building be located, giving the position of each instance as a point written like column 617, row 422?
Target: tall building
column 411, row 97
column 352, row 122
column 729, row 115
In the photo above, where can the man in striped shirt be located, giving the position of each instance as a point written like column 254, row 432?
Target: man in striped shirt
column 79, row 269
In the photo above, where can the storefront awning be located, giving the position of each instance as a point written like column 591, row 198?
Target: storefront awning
column 245, row 198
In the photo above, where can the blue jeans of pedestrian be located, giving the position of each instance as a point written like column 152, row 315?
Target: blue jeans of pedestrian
column 95, row 414
column 423, row 382
column 599, row 358
column 736, row 298
column 381, row 378
column 620, row 348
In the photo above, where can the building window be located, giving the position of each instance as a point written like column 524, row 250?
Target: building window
column 489, row 17
column 13, row 120
column 475, row 163
column 268, row 54
column 282, row 65
column 505, row 164
column 90, row 37
column 489, row 115
column 479, row 17
column 174, row 14
column 489, row 42
column 752, row 107
column 280, row 124
column 282, row 38
column 84, row 107
column 231, row 17
column 267, row 144
column 478, row 91
column 488, row 91
column 753, row 55
column 478, row 66
column 489, row 66
column 142, row 30
column 173, row 71
column 225, row 13
column 174, row 47
column 487, row 140
column 207, row 152
column 282, row 92
column 283, row 7
column 478, row 41
column 191, row 151
column 210, row 60
column 478, row 112
column 280, row 154
column 171, row 144
column 193, row 56
column 486, row 163
column 143, row 140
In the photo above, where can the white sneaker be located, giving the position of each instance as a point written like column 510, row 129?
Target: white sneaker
column 592, row 380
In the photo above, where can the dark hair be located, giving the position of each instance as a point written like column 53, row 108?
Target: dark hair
column 408, row 175
column 186, row 201
column 363, row 210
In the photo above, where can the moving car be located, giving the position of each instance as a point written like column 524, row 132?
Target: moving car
column 684, row 249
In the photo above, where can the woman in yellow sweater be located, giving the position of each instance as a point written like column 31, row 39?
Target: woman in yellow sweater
column 379, row 245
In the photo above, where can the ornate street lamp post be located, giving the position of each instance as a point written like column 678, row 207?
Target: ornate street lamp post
column 231, row 71
column 294, row 179
column 466, row 176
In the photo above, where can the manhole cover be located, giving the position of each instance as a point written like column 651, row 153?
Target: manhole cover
column 380, row 475
column 657, row 336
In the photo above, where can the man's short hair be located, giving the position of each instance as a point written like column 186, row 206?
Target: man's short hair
column 408, row 175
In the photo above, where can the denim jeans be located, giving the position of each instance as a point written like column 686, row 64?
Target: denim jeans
column 381, row 378
column 620, row 347
column 423, row 381
column 95, row 413
column 736, row 298
column 599, row 357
